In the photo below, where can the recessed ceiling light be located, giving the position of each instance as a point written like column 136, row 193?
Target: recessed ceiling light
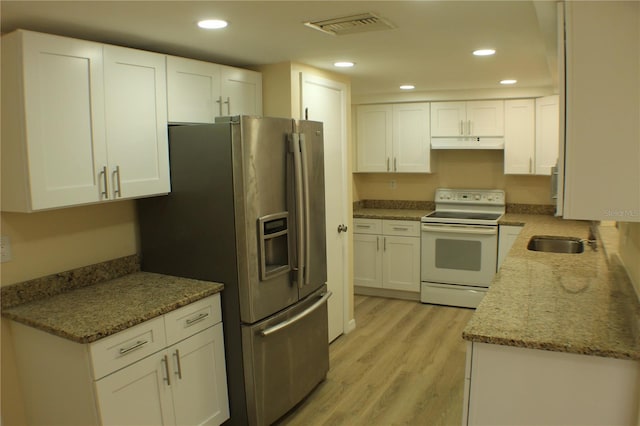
column 407, row 87
column 508, row 81
column 343, row 64
column 212, row 24
column 484, row 52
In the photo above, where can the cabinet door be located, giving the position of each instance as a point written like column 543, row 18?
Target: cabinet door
column 199, row 381
column 448, row 118
column 547, row 134
column 62, row 85
column 241, row 92
column 137, row 395
column 401, row 264
column 374, row 138
column 411, row 142
column 508, row 235
column 367, row 260
column 193, row 91
column 136, row 122
column 519, row 136
column 485, row 118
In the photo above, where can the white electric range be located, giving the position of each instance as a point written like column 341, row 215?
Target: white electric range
column 459, row 246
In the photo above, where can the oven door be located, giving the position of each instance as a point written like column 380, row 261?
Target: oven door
column 459, row 254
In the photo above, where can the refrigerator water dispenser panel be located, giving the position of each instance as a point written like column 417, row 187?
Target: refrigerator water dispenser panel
column 274, row 245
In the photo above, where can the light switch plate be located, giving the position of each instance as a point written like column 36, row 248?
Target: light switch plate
column 5, row 249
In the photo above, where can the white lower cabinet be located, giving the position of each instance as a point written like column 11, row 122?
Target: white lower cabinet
column 387, row 254
column 166, row 371
column 507, row 385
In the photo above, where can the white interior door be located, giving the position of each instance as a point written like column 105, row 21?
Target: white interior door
column 325, row 100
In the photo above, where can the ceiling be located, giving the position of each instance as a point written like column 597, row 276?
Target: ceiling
column 430, row 46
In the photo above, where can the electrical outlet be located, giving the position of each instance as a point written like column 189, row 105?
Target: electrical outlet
column 392, row 184
column 5, row 249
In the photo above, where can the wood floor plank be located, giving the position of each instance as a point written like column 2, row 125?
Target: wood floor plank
column 402, row 365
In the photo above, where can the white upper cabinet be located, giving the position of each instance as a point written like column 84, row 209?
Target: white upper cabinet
column 531, row 135
column 602, row 152
column 471, row 118
column 519, row 136
column 547, row 134
column 193, row 90
column 82, row 122
column 136, row 122
column 393, row 138
column 241, row 91
column 53, row 130
column 198, row 91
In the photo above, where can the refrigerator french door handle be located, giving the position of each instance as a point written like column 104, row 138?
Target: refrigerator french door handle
column 307, row 214
column 298, row 317
column 297, row 165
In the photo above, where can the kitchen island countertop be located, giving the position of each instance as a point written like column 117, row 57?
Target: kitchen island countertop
column 576, row 303
column 90, row 313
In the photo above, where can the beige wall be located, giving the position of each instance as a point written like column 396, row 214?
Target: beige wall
column 54, row 241
column 455, row 169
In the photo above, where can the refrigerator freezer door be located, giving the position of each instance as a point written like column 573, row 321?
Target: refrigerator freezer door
column 289, row 356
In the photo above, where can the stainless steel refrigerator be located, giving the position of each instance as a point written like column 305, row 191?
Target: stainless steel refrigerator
column 247, row 208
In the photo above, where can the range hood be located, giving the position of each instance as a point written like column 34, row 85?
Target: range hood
column 467, row 143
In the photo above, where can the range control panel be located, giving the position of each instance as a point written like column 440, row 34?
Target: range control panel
column 470, row 196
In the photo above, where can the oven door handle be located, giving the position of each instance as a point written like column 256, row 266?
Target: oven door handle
column 463, row 229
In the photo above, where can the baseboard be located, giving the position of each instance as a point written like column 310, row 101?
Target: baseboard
column 383, row 292
column 350, row 326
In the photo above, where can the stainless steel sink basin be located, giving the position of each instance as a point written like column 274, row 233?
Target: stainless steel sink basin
column 554, row 244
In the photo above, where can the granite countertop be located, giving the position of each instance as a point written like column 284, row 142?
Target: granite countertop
column 390, row 214
column 577, row 303
column 92, row 312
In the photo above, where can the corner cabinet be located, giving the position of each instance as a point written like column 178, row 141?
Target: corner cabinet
column 82, row 122
column 387, row 254
column 393, row 138
column 169, row 370
column 198, row 91
column 531, row 135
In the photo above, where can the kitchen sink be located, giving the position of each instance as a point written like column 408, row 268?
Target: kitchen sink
column 555, row 244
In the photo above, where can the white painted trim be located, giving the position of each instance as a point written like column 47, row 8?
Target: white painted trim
column 342, row 88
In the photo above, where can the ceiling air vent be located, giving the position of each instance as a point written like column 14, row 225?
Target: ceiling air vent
column 351, row 24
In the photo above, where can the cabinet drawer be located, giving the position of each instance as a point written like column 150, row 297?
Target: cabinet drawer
column 367, row 226
column 121, row 349
column 404, row 228
column 192, row 318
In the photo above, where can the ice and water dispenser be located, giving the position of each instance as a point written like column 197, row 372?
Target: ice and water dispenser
column 274, row 245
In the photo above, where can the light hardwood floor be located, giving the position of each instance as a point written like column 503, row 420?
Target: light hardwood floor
column 402, row 365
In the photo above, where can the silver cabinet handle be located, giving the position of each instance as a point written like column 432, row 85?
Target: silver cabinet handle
column 377, row 243
column 363, row 226
column 461, row 127
column 105, row 178
column 165, row 360
column 400, row 228
column 395, row 164
column 118, row 190
column 179, row 372
column 199, row 318
column 297, row 317
column 384, row 245
column 469, row 127
column 388, row 159
column 228, row 102
column 136, row 345
column 219, row 101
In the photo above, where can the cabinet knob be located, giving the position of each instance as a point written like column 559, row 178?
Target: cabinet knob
column 342, row 228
